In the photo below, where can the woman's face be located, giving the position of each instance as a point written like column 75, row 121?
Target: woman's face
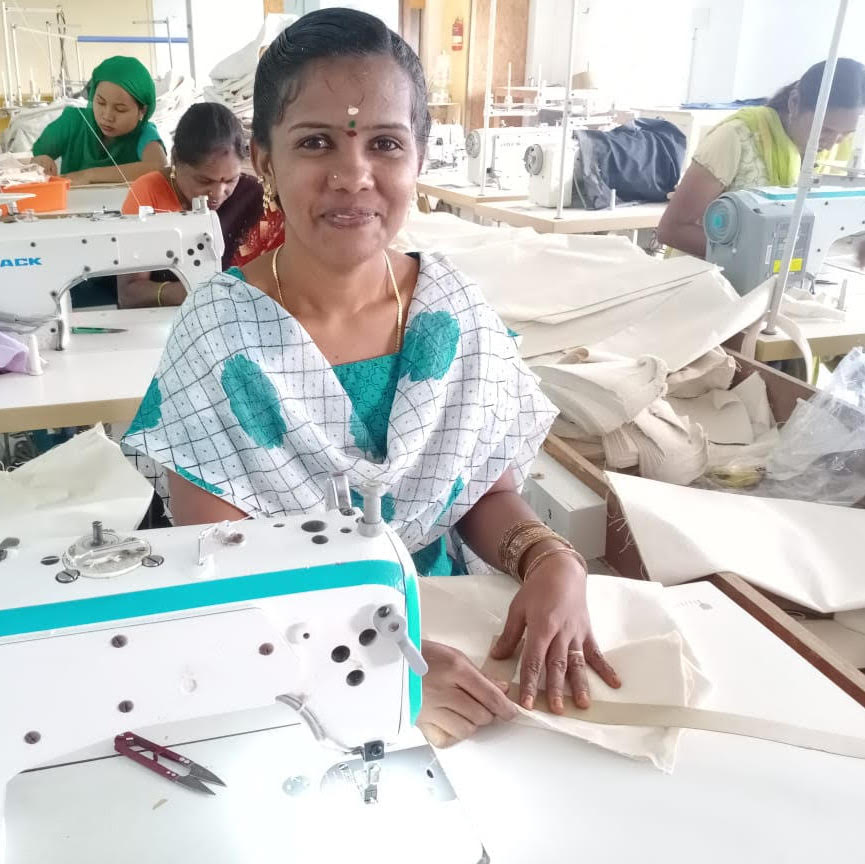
column 343, row 160
column 838, row 123
column 216, row 176
column 116, row 112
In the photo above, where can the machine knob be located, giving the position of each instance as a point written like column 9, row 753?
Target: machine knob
column 534, row 159
column 473, row 144
column 721, row 221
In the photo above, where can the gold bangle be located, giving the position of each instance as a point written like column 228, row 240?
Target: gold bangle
column 519, row 538
column 159, row 291
column 561, row 550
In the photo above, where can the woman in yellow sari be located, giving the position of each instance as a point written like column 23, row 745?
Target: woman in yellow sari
column 761, row 146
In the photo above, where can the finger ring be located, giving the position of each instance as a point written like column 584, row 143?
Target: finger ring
column 579, row 656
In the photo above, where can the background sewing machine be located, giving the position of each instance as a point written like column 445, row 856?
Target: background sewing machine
column 746, row 230
column 109, row 632
column 446, row 146
column 42, row 259
column 505, row 151
column 543, row 163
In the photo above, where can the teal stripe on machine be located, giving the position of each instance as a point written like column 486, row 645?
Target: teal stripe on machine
column 217, row 592
column 412, row 613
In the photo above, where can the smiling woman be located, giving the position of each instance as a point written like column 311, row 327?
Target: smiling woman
column 336, row 355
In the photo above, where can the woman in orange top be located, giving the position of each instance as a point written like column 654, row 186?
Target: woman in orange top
column 206, row 161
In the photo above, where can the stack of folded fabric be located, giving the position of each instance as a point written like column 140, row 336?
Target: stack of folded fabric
column 174, row 94
column 28, row 124
column 631, row 414
column 234, row 76
column 738, row 422
column 617, row 404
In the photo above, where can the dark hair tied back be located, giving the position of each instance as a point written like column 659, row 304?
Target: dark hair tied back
column 323, row 34
column 204, row 129
column 848, row 87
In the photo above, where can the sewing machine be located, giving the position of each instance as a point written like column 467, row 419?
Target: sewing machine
column 505, row 151
column 110, row 632
column 47, row 257
column 445, row 146
column 543, row 163
column 746, row 230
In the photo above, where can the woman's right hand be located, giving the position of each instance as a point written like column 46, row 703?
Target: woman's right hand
column 49, row 166
column 458, row 697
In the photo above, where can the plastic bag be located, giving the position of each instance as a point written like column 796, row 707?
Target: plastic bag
column 821, row 454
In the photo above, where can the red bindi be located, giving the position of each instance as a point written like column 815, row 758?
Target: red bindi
column 351, row 133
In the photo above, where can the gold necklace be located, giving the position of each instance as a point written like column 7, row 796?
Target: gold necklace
column 172, row 181
column 393, row 284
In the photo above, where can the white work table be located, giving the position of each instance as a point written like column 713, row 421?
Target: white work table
column 533, row 795
column 624, row 217
column 99, row 378
column 453, row 188
column 827, row 338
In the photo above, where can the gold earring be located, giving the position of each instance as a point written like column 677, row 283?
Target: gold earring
column 172, row 174
column 268, row 198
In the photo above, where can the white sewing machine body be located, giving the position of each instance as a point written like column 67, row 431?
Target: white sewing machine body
column 505, row 151
column 305, row 610
column 42, row 259
column 446, row 146
column 543, row 163
column 746, row 230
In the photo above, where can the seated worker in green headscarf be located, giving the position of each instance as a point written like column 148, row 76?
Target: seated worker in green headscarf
column 111, row 139
column 762, row 146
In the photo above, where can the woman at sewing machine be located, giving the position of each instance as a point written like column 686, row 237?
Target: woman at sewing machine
column 761, row 146
column 206, row 161
column 334, row 354
column 111, row 140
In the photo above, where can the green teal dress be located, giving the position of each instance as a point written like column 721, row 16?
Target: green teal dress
column 370, row 386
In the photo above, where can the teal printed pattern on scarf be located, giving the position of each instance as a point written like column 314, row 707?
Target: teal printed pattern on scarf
column 370, row 386
column 433, row 560
column 430, row 345
column 149, row 411
column 203, row 484
column 254, row 401
column 458, row 487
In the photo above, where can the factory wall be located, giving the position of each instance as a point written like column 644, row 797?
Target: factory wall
column 638, row 51
column 175, row 11
column 212, row 40
column 780, row 39
column 83, row 17
column 642, row 52
column 387, row 10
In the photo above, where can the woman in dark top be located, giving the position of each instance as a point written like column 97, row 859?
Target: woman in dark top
column 206, row 160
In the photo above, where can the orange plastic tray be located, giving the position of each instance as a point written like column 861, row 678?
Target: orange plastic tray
column 52, row 195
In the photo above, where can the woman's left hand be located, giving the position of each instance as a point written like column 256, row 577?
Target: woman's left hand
column 79, row 178
column 550, row 608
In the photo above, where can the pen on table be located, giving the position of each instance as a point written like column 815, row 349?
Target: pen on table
column 88, row 330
